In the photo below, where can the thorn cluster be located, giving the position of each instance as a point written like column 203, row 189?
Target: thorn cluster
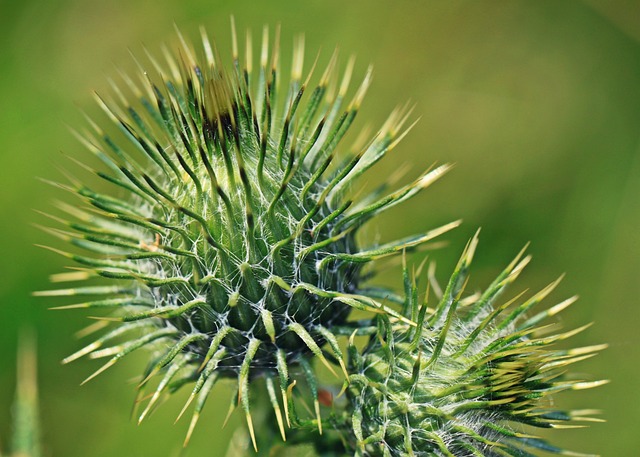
column 470, row 379
column 227, row 240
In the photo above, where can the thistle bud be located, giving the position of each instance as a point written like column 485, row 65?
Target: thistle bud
column 470, row 378
column 227, row 240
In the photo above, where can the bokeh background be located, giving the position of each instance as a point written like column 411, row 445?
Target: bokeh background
column 537, row 103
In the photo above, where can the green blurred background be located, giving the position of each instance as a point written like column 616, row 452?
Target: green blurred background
column 537, row 103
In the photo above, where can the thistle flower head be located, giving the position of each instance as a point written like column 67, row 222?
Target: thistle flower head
column 467, row 378
column 227, row 240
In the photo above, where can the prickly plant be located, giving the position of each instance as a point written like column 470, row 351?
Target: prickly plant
column 227, row 240
column 472, row 377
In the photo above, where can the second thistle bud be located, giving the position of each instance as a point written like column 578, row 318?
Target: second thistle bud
column 470, row 378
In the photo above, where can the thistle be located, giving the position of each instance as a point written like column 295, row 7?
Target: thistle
column 227, row 243
column 470, row 379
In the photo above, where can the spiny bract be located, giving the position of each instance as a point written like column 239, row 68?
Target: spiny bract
column 466, row 378
column 231, row 240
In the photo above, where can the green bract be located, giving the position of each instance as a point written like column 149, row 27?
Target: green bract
column 466, row 378
column 226, row 241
